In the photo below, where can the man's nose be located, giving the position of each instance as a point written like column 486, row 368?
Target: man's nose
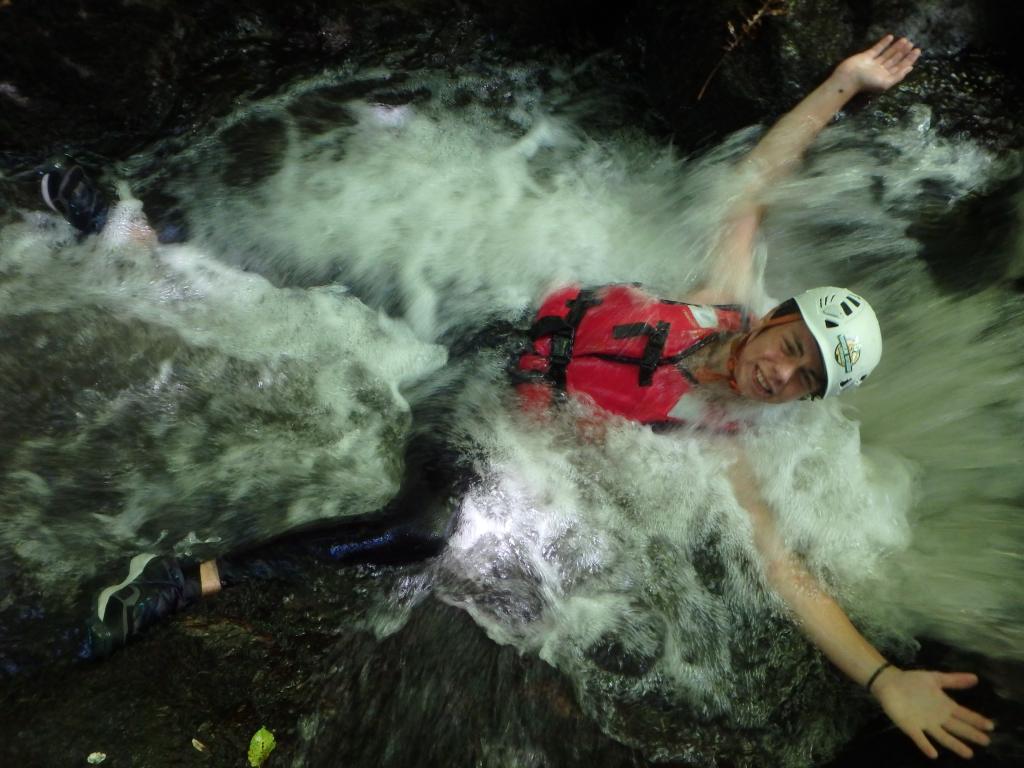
column 784, row 371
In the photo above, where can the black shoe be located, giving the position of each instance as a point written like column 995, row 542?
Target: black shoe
column 72, row 194
column 154, row 587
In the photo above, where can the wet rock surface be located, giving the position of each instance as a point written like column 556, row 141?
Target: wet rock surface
column 101, row 80
column 295, row 654
column 108, row 77
column 292, row 656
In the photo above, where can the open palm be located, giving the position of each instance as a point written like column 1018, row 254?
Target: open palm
column 916, row 702
column 882, row 65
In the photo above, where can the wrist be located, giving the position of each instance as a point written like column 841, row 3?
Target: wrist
column 885, row 678
column 845, row 84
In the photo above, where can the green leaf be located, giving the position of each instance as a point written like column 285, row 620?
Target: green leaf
column 261, row 746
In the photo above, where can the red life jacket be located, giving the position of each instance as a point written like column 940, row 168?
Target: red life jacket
column 619, row 346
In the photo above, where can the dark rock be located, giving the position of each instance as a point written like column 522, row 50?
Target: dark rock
column 290, row 654
column 970, row 244
column 102, row 80
column 105, row 80
column 255, row 151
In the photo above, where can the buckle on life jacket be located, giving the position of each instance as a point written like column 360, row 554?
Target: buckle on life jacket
column 562, row 332
column 561, row 354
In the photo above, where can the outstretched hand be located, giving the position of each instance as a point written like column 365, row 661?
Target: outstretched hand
column 881, row 66
column 916, row 702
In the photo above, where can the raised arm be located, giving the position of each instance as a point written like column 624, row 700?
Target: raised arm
column 731, row 273
column 914, row 700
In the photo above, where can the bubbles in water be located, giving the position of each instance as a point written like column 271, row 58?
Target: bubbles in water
column 253, row 379
column 156, row 393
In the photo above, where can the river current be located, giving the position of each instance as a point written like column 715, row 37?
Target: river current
column 345, row 235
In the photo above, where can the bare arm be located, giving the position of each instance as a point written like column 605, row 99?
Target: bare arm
column 880, row 67
column 914, row 700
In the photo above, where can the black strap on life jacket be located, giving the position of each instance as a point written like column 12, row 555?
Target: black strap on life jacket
column 563, row 333
column 656, row 335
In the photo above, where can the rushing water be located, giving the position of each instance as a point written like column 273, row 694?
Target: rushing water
column 261, row 376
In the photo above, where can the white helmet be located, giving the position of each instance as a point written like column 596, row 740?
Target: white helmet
column 847, row 332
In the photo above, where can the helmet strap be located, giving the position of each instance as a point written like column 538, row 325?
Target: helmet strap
column 791, row 317
column 705, row 375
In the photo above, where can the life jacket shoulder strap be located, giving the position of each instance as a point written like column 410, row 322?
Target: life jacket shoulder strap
column 656, row 335
column 562, row 331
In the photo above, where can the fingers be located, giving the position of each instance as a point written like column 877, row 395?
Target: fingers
column 897, row 58
column 973, row 718
column 881, row 45
column 957, row 679
column 896, row 53
column 903, row 69
column 950, row 742
column 966, row 731
column 947, row 737
column 897, row 49
column 908, row 61
column 923, row 744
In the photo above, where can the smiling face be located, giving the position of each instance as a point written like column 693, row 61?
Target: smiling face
column 780, row 363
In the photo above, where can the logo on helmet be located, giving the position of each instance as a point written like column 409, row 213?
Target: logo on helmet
column 847, row 353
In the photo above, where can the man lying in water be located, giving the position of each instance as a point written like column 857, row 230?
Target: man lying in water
column 643, row 358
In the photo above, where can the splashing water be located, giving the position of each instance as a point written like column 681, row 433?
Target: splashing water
column 156, row 396
column 252, row 380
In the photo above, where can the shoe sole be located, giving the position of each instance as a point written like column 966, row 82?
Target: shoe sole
column 135, row 568
column 46, row 193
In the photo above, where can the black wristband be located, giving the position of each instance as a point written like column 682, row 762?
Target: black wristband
column 874, row 677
